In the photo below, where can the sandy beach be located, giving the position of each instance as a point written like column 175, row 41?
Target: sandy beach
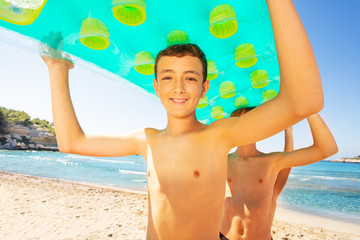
column 39, row 208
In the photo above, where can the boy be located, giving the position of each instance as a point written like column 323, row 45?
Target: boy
column 187, row 161
column 255, row 181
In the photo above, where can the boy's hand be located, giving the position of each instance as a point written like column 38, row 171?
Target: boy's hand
column 289, row 130
column 51, row 51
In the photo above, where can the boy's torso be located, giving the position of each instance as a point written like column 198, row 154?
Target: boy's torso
column 186, row 179
column 249, row 197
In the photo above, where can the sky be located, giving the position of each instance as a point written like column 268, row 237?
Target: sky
column 106, row 107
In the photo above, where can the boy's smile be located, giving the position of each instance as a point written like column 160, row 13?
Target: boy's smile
column 179, row 101
column 180, row 84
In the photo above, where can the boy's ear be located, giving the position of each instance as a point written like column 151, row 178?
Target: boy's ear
column 156, row 87
column 205, row 88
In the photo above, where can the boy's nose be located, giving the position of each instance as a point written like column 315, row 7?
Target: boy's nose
column 179, row 86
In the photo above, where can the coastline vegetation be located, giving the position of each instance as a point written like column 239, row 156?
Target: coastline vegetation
column 12, row 117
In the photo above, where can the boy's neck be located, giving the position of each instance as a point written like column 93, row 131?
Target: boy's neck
column 178, row 126
column 247, row 151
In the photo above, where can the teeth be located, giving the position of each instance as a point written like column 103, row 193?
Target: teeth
column 179, row 100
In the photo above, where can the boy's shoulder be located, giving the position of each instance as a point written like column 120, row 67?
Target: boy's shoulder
column 261, row 157
column 273, row 156
column 201, row 128
column 151, row 132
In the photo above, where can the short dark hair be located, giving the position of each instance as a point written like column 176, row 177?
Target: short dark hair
column 241, row 111
column 181, row 50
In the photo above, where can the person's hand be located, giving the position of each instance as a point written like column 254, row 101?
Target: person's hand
column 289, row 129
column 51, row 51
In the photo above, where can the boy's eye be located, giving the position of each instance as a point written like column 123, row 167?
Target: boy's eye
column 165, row 78
column 191, row 79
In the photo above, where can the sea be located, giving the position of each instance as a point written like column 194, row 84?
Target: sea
column 328, row 189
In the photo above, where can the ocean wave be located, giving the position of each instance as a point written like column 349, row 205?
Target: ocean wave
column 137, row 180
column 36, row 157
column 66, row 162
column 99, row 159
column 112, row 161
column 306, row 177
column 131, row 172
column 76, row 156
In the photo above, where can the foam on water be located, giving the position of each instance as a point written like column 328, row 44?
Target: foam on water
column 131, row 172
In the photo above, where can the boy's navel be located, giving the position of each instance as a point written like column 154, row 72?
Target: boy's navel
column 261, row 180
column 196, row 174
column 229, row 180
column 148, row 174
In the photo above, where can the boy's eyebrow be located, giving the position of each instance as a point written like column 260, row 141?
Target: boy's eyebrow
column 193, row 71
column 170, row 70
column 166, row 70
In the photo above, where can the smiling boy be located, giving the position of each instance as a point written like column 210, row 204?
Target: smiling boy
column 187, row 161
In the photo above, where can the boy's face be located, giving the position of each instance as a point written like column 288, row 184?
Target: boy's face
column 180, row 84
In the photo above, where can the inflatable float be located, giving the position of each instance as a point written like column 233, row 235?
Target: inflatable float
column 120, row 39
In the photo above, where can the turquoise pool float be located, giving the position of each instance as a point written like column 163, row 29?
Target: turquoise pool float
column 121, row 38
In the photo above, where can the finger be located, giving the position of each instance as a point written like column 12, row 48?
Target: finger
column 57, row 40
column 60, row 47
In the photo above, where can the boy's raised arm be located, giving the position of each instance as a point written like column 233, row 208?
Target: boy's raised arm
column 289, row 140
column 284, row 173
column 324, row 146
column 300, row 77
column 70, row 136
column 300, row 92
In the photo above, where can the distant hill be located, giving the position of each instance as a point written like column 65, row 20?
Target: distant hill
column 18, row 131
column 347, row 160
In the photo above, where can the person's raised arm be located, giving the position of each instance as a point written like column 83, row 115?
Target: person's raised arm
column 324, row 146
column 300, row 93
column 300, row 77
column 289, row 140
column 70, row 136
column 284, row 173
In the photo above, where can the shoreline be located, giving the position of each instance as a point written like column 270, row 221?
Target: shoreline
column 42, row 149
column 84, row 184
column 335, row 225
column 331, row 216
column 35, row 207
column 343, row 218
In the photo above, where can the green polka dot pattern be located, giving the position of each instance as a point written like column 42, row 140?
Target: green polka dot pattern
column 129, row 12
column 144, row 63
column 94, row 34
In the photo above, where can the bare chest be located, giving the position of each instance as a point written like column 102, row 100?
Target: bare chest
column 186, row 177
column 185, row 164
column 251, row 183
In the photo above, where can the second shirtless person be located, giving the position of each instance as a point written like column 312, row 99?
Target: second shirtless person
column 255, row 181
